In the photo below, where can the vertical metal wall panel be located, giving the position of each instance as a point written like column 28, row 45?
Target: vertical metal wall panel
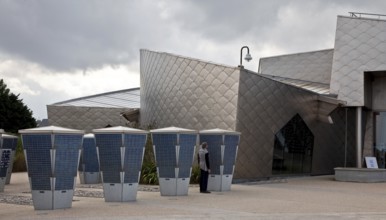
column 360, row 45
column 185, row 92
column 311, row 66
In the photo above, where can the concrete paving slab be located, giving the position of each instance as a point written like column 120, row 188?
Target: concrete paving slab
column 319, row 197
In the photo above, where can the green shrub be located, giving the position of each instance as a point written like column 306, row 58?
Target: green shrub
column 149, row 174
column 19, row 164
column 195, row 177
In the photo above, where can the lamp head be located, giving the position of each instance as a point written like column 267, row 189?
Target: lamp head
column 248, row 57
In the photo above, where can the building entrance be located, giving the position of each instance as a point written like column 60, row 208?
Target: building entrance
column 293, row 148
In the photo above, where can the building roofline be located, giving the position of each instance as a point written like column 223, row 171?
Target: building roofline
column 96, row 95
column 190, row 58
column 358, row 15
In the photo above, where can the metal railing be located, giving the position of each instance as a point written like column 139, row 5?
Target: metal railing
column 366, row 15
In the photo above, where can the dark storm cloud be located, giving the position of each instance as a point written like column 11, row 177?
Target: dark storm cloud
column 85, row 34
column 66, row 35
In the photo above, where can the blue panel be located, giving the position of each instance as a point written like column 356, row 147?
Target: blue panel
column 109, row 146
column 111, row 177
column 135, row 140
column 184, row 172
column 165, row 148
column 38, row 160
column 134, row 144
column 133, row 164
column 214, row 148
column 9, row 143
column 40, row 183
column 64, row 183
column 187, row 145
column 231, row 142
column 89, row 157
column 66, row 160
column 167, row 172
column 5, row 158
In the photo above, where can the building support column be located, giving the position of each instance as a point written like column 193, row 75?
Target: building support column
column 359, row 136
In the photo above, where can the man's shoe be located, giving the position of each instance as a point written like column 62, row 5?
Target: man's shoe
column 205, row 192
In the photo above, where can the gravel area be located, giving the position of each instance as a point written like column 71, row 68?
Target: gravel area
column 95, row 191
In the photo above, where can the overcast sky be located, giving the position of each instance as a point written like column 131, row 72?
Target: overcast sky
column 52, row 51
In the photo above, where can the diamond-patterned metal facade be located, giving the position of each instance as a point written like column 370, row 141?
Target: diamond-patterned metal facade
column 189, row 93
column 194, row 94
column 85, row 118
column 265, row 106
column 312, row 66
column 360, row 45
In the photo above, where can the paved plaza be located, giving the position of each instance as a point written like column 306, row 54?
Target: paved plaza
column 319, row 197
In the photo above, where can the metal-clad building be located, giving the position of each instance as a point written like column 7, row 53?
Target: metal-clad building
column 116, row 108
column 302, row 113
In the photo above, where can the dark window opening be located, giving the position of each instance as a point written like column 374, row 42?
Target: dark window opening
column 293, row 148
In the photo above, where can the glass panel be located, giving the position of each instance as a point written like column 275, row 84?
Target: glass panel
column 293, row 148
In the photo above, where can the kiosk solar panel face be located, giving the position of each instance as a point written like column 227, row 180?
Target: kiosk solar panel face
column 133, row 163
column 89, row 156
column 165, row 147
column 9, row 143
column 64, row 183
column 187, row 145
column 131, row 176
column 5, row 158
column 230, row 142
column 184, row 172
column 167, row 172
column 66, row 160
column 111, row 176
column 109, row 146
column 214, row 148
column 38, row 160
column 135, row 140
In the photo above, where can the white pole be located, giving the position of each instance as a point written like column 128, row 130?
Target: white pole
column 359, row 136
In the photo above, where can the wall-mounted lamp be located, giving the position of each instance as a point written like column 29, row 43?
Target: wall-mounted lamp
column 247, row 57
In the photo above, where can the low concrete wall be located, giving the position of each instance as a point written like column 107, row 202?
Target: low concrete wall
column 362, row 175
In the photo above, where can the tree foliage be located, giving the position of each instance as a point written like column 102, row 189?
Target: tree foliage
column 14, row 115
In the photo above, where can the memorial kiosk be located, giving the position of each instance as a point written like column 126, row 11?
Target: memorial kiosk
column 89, row 162
column 7, row 144
column 120, row 150
column 174, row 151
column 222, row 147
column 52, row 154
column 10, row 142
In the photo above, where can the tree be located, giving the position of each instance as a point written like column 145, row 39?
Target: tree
column 14, row 115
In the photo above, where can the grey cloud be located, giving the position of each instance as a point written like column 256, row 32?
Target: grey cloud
column 65, row 35
column 83, row 34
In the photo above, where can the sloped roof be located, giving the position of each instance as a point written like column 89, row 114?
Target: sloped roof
column 128, row 98
column 319, row 88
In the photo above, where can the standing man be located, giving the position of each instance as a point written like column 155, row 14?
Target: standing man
column 203, row 161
